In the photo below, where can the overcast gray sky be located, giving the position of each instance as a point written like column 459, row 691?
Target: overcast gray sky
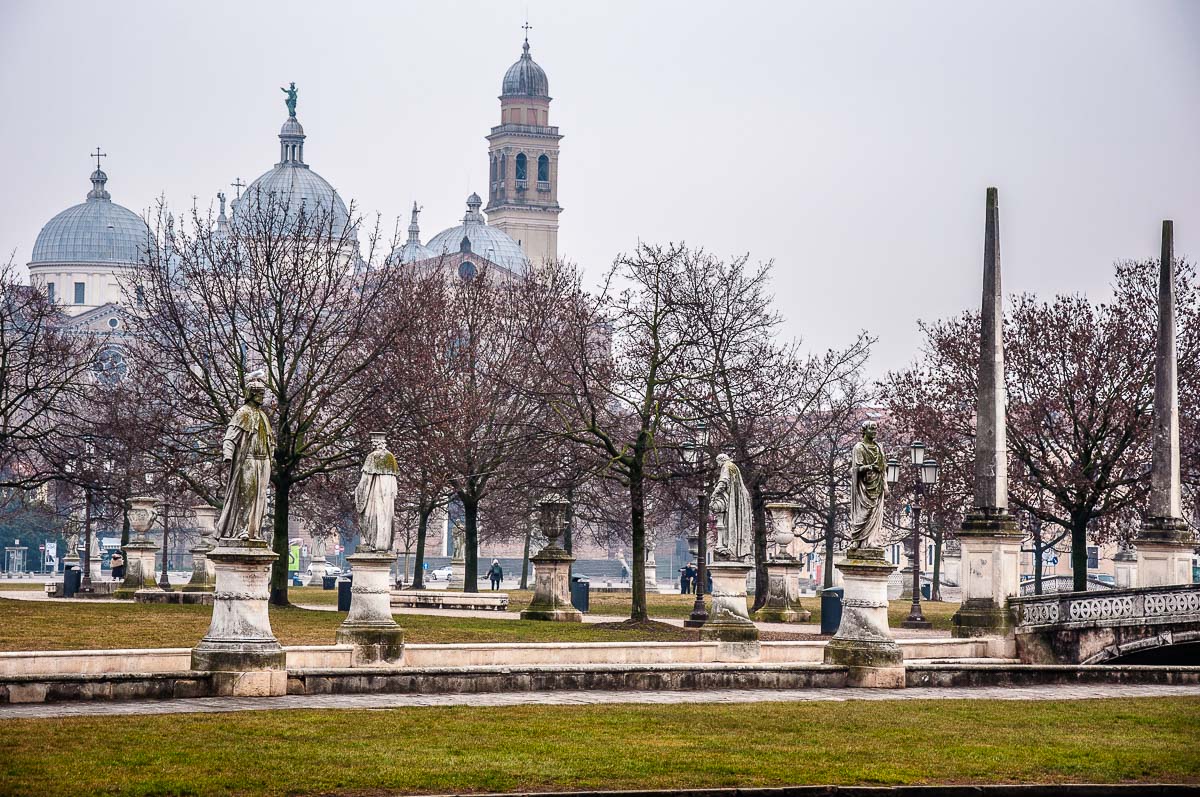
column 850, row 142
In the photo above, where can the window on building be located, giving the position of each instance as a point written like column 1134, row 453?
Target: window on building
column 1093, row 557
column 522, row 167
column 79, row 293
column 544, row 169
column 929, row 555
column 50, row 291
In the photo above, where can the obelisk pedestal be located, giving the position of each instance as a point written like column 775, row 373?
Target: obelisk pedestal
column 729, row 618
column 863, row 642
column 369, row 626
column 239, row 649
column 1164, row 543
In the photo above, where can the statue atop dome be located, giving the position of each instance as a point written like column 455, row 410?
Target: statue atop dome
column 291, row 93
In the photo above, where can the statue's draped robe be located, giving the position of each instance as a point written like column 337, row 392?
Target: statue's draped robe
column 730, row 502
column 375, row 500
column 250, row 440
column 866, row 496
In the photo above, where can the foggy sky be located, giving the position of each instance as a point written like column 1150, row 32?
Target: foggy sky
column 851, row 143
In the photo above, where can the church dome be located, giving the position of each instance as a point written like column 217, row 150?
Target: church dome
column 481, row 239
column 293, row 183
column 525, row 78
column 96, row 231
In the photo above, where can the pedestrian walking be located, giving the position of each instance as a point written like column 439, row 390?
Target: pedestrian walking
column 496, row 573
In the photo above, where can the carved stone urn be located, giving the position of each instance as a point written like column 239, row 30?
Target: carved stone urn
column 551, row 588
column 140, row 550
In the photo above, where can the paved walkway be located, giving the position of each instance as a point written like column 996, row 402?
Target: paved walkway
column 206, row 705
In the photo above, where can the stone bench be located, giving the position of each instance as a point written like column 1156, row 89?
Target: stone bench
column 430, row 599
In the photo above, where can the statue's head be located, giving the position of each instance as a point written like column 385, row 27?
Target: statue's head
column 378, row 441
column 869, row 430
column 722, row 459
column 256, row 387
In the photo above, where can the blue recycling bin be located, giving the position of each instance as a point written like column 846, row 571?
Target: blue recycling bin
column 344, row 584
column 72, row 578
column 831, row 609
column 581, row 593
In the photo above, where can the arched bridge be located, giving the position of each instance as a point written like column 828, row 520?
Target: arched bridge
column 1141, row 625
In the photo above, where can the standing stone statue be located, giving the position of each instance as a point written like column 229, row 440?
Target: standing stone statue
column 291, row 99
column 730, row 502
column 867, row 468
column 459, row 535
column 375, row 497
column 248, row 446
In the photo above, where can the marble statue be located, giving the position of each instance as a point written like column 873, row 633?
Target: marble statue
column 730, row 502
column 375, row 497
column 247, row 447
column 291, row 99
column 868, row 488
column 459, row 535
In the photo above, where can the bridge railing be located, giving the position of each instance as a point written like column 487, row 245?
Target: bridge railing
column 1149, row 605
column 1063, row 584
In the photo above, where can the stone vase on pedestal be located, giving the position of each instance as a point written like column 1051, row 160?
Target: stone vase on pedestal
column 783, row 571
column 552, row 567
column 728, row 619
column 204, row 575
column 863, row 641
column 140, row 550
column 239, row 648
column 369, row 626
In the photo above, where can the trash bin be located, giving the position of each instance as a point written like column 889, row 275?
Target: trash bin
column 328, row 582
column 927, row 591
column 72, row 577
column 343, row 587
column 831, row 609
column 581, row 591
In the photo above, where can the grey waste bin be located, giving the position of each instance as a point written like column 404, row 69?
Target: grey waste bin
column 831, row 609
column 580, row 593
column 72, row 577
column 344, row 593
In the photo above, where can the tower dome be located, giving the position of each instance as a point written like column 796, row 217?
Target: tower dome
column 80, row 254
column 291, row 182
column 483, row 240
column 525, row 78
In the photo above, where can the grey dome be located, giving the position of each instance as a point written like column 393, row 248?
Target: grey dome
column 483, row 240
column 298, row 186
column 96, row 231
column 525, row 78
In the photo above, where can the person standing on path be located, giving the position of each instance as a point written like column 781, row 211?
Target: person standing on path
column 497, row 574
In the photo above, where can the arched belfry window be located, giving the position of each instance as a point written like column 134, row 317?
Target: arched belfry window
column 493, row 169
column 543, row 169
column 522, row 167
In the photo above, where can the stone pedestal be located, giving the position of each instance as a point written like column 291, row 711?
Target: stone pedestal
column 728, row 618
column 863, row 641
column 1164, row 553
column 369, row 626
column 552, row 588
column 239, row 648
column 458, row 575
column 991, row 568
column 1125, row 568
column 204, row 576
column 316, row 570
column 651, row 571
column 783, row 594
column 139, row 569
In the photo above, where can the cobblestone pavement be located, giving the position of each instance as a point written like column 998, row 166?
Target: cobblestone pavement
column 206, row 705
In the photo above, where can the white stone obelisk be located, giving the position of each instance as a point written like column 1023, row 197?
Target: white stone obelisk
column 1164, row 544
column 990, row 539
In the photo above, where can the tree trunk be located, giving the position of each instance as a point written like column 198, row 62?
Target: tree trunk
column 279, row 544
column 759, row 513
column 1079, row 557
column 1038, row 551
column 935, row 589
column 830, row 535
column 471, row 555
column 637, row 516
column 568, row 537
column 525, row 553
column 418, row 581
column 125, row 528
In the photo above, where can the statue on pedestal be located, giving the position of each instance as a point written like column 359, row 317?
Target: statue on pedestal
column 375, row 497
column 730, row 502
column 248, row 446
column 867, row 490
column 290, row 102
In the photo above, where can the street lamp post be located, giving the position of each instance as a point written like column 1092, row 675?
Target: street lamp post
column 85, row 584
column 927, row 474
column 164, row 580
column 696, row 454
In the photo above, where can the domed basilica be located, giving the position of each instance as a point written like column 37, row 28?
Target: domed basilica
column 82, row 253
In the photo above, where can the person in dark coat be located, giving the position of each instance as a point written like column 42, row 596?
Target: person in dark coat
column 685, row 581
column 496, row 573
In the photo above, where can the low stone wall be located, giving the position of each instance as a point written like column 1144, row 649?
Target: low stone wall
column 1015, row 674
column 106, row 686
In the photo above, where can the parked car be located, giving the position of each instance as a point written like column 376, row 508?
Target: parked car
column 441, row 574
column 1106, row 579
column 330, row 570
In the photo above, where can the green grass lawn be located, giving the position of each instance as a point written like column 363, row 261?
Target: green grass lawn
column 541, row 748
column 36, row 585
column 62, row 625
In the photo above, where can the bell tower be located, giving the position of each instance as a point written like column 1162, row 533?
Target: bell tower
column 523, row 162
